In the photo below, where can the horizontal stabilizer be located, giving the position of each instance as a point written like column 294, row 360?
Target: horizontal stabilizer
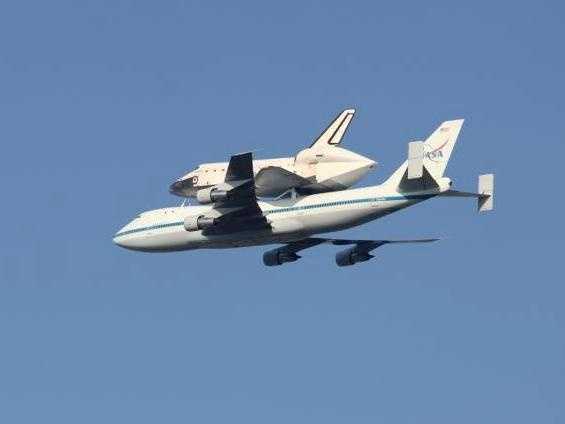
column 457, row 193
column 415, row 160
column 484, row 194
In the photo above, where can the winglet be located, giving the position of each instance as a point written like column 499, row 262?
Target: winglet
column 415, row 160
column 486, row 192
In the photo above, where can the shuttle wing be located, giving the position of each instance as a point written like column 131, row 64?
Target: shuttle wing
column 239, row 209
column 239, row 183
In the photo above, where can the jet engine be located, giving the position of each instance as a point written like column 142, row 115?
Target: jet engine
column 278, row 257
column 351, row 256
column 211, row 195
column 195, row 223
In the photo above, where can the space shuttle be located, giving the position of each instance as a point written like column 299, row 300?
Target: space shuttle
column 323, row 167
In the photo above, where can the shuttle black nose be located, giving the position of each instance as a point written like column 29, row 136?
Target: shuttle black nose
column 182, row 188
column 175, row 187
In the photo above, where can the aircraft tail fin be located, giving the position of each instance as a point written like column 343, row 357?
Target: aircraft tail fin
column 435, row 153
column 333, row 134
column 439, row 145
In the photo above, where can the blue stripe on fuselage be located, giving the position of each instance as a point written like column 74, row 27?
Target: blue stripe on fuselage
column 296, row 208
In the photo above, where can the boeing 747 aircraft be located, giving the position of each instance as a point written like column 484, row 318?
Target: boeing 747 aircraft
column 234, row 217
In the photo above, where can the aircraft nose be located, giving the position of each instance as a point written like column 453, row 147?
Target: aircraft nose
column 122, row 238
column 118, row 241
column 130, row 243
column 125, row 239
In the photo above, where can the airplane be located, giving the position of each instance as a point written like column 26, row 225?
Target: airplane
column 322, row 167
column 236, row 218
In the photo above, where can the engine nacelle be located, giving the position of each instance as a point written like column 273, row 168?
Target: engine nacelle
column 195, row 223
column 278, row 257
column 211, row 195
column 351, row 257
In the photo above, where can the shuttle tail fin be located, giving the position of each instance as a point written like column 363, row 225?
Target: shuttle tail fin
column 334, row 133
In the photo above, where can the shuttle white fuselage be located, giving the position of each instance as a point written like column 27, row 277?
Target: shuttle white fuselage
column 322, row 167
column 332, row 169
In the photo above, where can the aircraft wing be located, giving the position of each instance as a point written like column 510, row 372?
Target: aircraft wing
column 361, row 245
column 369, row 245
column 238, row 209
column 297, row 246
column 359, row 252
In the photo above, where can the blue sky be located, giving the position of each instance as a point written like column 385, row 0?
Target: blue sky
column 103, row 104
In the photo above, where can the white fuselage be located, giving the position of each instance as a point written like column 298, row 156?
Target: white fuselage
column 290, row 219
column 330, row 169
